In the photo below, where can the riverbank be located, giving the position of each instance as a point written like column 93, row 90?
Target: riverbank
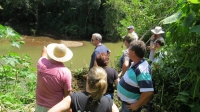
column 46, row 40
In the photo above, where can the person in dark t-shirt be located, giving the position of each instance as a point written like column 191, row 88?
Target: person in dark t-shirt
column 102, row 60
column 91, row 100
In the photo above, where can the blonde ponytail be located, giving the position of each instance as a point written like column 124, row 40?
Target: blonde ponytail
column 97, row 82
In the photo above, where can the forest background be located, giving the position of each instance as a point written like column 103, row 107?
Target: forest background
column 177, row 79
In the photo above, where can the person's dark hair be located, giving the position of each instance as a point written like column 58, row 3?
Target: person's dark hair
column 160, row 42
column 129, row 38
column 138, row 47
column 102, row 59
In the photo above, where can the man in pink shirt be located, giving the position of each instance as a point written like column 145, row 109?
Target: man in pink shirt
column 53, row 78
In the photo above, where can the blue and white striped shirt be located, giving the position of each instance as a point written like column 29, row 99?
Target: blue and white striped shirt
column 137, row 79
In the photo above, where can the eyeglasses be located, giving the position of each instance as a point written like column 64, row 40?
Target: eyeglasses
column 93, row 39
column 128, row 29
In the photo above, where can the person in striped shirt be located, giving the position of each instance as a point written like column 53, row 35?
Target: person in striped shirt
column 135, row 88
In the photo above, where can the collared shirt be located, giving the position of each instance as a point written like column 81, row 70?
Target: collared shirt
column 137, row 79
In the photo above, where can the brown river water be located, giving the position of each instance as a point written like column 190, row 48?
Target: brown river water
column 82, row 50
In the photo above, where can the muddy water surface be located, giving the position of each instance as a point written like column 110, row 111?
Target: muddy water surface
column 82, row 50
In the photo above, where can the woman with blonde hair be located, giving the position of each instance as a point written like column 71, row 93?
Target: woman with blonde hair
column 91, row 100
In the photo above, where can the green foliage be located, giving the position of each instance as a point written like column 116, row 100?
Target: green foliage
column 116, row 64
column 173, row 18
column 80, row 18
column 1, row 7
column 144, row 15
column 195, row 29
column 13, row 36
column 194, row 1
column 178, row 79
column 113, row 14
column 80, row 73
column 7, row 32
column 17, row 78
column 79, row 79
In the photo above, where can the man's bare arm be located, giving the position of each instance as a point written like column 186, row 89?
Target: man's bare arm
column 114, row 108
column 44, row 52
column 125, row 67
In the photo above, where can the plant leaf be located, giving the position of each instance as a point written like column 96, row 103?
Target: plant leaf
column 181, row 98
column 195, row 107
column 184, row 93
column 195, row 29
column 11, row 60
column 194, row 1
column 1, row 7
column 188, row 20
column 173, row 18
column 10, row 32
column 31, row 76
column 16, row 44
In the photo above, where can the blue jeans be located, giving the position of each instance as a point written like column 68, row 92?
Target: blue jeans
column 125, row 109
column 110, row 95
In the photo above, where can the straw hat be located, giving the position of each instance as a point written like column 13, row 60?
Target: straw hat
column 157, row 30
column 59, row 52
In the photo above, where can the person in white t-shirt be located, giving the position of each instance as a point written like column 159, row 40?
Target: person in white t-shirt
column 132, row 31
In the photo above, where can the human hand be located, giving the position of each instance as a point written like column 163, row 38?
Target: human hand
column 44, row 51
column 148, row 47
column 108, row 52
column 133, row 107
column 152, row 37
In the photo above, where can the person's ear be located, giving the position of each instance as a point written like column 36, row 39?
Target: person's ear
column 133, row 53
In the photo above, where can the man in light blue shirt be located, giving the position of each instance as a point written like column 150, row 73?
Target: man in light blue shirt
column 99, row 48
